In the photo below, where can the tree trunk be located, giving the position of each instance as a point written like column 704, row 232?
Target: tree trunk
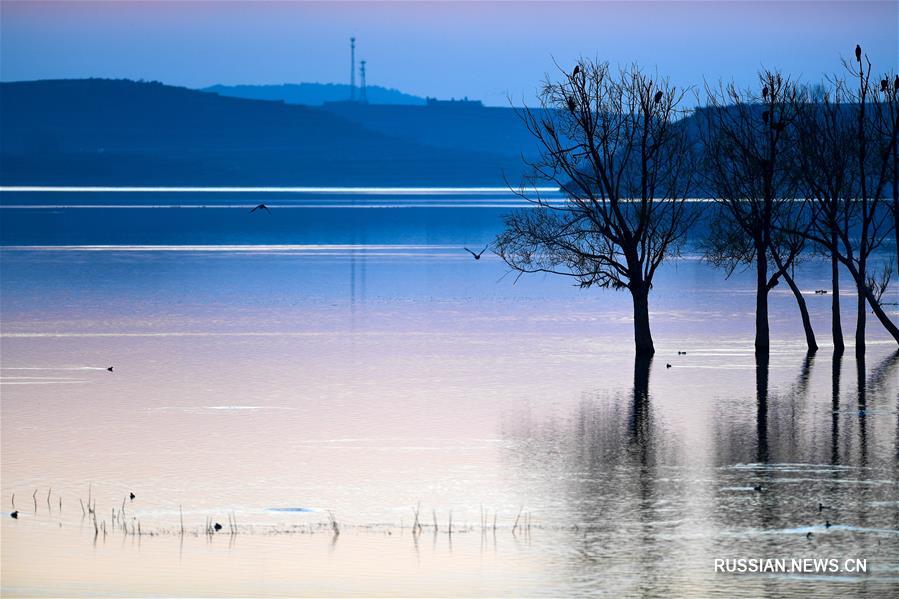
column 861, row 314
column 762, row 341
column 835, row 320
column 642, row 333
column 866, row 294
column 803, row 311
column 896, row 199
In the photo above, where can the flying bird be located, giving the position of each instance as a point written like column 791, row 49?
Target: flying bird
column 658, row 97
column 132, row 496
column 261, row 207
column 478, row 255
column 858, row 53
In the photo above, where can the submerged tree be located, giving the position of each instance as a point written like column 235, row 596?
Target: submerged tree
column 826, row 170
column 747, row 144
column 886, row 125
column 614, row 144
column 872, row 153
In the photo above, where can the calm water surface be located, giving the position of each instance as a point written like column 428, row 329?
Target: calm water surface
column 345, row 356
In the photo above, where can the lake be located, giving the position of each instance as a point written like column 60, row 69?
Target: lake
column 341, row 361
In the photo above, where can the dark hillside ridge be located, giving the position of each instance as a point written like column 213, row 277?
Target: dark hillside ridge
column 120, row 132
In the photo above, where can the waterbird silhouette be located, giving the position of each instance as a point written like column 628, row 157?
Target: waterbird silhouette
column 821, row 507
column 217, row 526
column 758, row 488
column 858, row 53
column 658, row 97
column 667, row 365
column 15, row 515
column 820, row 291
column 827, row 524
column 808, row 535
column 109, row 368
column 478, row 255
column 681, row 353
column 131, row 496
column 261, row 207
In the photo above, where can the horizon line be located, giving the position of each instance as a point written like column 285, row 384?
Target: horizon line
column 245, row 189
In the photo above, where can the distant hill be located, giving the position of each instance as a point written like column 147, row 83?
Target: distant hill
column 120, row 132
column 313, row 94
column 489, row 129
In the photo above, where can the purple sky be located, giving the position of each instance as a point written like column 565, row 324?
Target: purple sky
column 485, row 50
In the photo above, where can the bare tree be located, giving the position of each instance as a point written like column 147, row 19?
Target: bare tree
column 886, row 128
column 747, row 140
column 825, row 167
column 846, row 144
column 872, row 157
column 615, row 144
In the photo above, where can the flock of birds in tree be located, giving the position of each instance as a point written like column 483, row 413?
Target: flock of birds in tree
column 572, row 105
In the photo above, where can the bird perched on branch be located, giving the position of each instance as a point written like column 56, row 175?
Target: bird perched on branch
column 858, row 53
column 658, row 97
column 765, row 116
column 577, row 69
column 571, row 105
column 884, row 85
column 478, row 255
column 765, row 92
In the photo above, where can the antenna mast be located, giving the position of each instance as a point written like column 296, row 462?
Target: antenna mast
column 352, row 69
column 362, row 96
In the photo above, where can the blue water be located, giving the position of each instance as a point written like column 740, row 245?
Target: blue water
column 345, row 352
